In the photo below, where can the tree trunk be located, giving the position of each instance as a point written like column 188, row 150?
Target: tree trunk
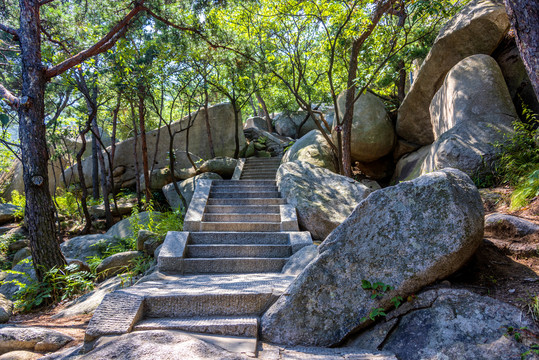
column 264, row 107
column 401, row 86
column 95, row 163
column 142, row 124
column 39, row 206
column 236, row 125
column 135, row 152
column 524, row 16
column 87, row 218
column 207, row 118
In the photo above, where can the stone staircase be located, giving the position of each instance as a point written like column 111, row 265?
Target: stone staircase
column 223, row 271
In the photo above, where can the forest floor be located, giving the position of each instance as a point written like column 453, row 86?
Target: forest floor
column 495, row 271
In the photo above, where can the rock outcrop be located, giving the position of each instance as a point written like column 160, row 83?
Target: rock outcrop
column 405, row 236
column 222, row 166
column 187, row 189
column 373, row 135
column 470, row 113
column 503, row 225
column 31, row 338
column 222, row 123
column 314, row 149
column 323, row 199
column 477, row 29
column 7, row 213
column 449, row 324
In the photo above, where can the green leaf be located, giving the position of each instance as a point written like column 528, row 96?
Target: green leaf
column 4, row 119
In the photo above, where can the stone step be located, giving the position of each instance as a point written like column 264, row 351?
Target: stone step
column 231, row 251
column 184, row 296
column 243, row 182
column 238, row 238
column 240, row 226
column 246, row 326
column 258, row 170
column 263, row 160
column 242, row 209
column 258, row 177
column 261, row 166
column 241, row 217
column 241, row 188
column 244, row 194
column 240, row 265
column 251, row 201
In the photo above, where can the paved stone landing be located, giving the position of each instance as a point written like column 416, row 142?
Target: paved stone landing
column 224, row 271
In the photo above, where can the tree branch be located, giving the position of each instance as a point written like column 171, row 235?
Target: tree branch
column 11, row 31
column 8, row 97
column 59, row 43
column 102, row 45
column 44, row 2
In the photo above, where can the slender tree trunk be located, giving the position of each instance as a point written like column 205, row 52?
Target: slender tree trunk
column 95, row 164
column 265, row 108
column 82, row 181
column 207, row 118
column 135, row 154
column 401, row 86
column 524, row 16
column 39, row 209
column 236, row 125
column 348, row 115
column 145, row 165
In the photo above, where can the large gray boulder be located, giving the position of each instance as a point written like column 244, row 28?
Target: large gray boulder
column 449, row 324
column 6, row 309
column 7, row 213
column 187, row 189
column 117, row 264
column 256, row 122
column 287, row 123
column 86, row 246
column 223, row 128
column 503, row 225
column 323, row 199
column 314, row 149
column 405, row 236
column 12, row 180
column 222, row 166
column 373, row 135
column 124, row 228
column 470, row 113
column 477, row 29
column 31, row 338
column 23, row 273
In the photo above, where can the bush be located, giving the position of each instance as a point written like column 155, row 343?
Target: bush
column 518, row 163
column 58, row 284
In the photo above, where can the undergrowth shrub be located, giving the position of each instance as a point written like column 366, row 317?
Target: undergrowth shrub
column 58, row 284
column 518, row 162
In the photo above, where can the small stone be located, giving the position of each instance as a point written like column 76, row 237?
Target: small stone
column 511, row 291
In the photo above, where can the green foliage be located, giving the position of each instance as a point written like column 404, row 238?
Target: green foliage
column 20, row 201
column 518, row 163
column 526, row 190
column 57, row 285
column 379, row 290
column 290, row 144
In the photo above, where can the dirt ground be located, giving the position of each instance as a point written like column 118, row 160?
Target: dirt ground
column 495, row 270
